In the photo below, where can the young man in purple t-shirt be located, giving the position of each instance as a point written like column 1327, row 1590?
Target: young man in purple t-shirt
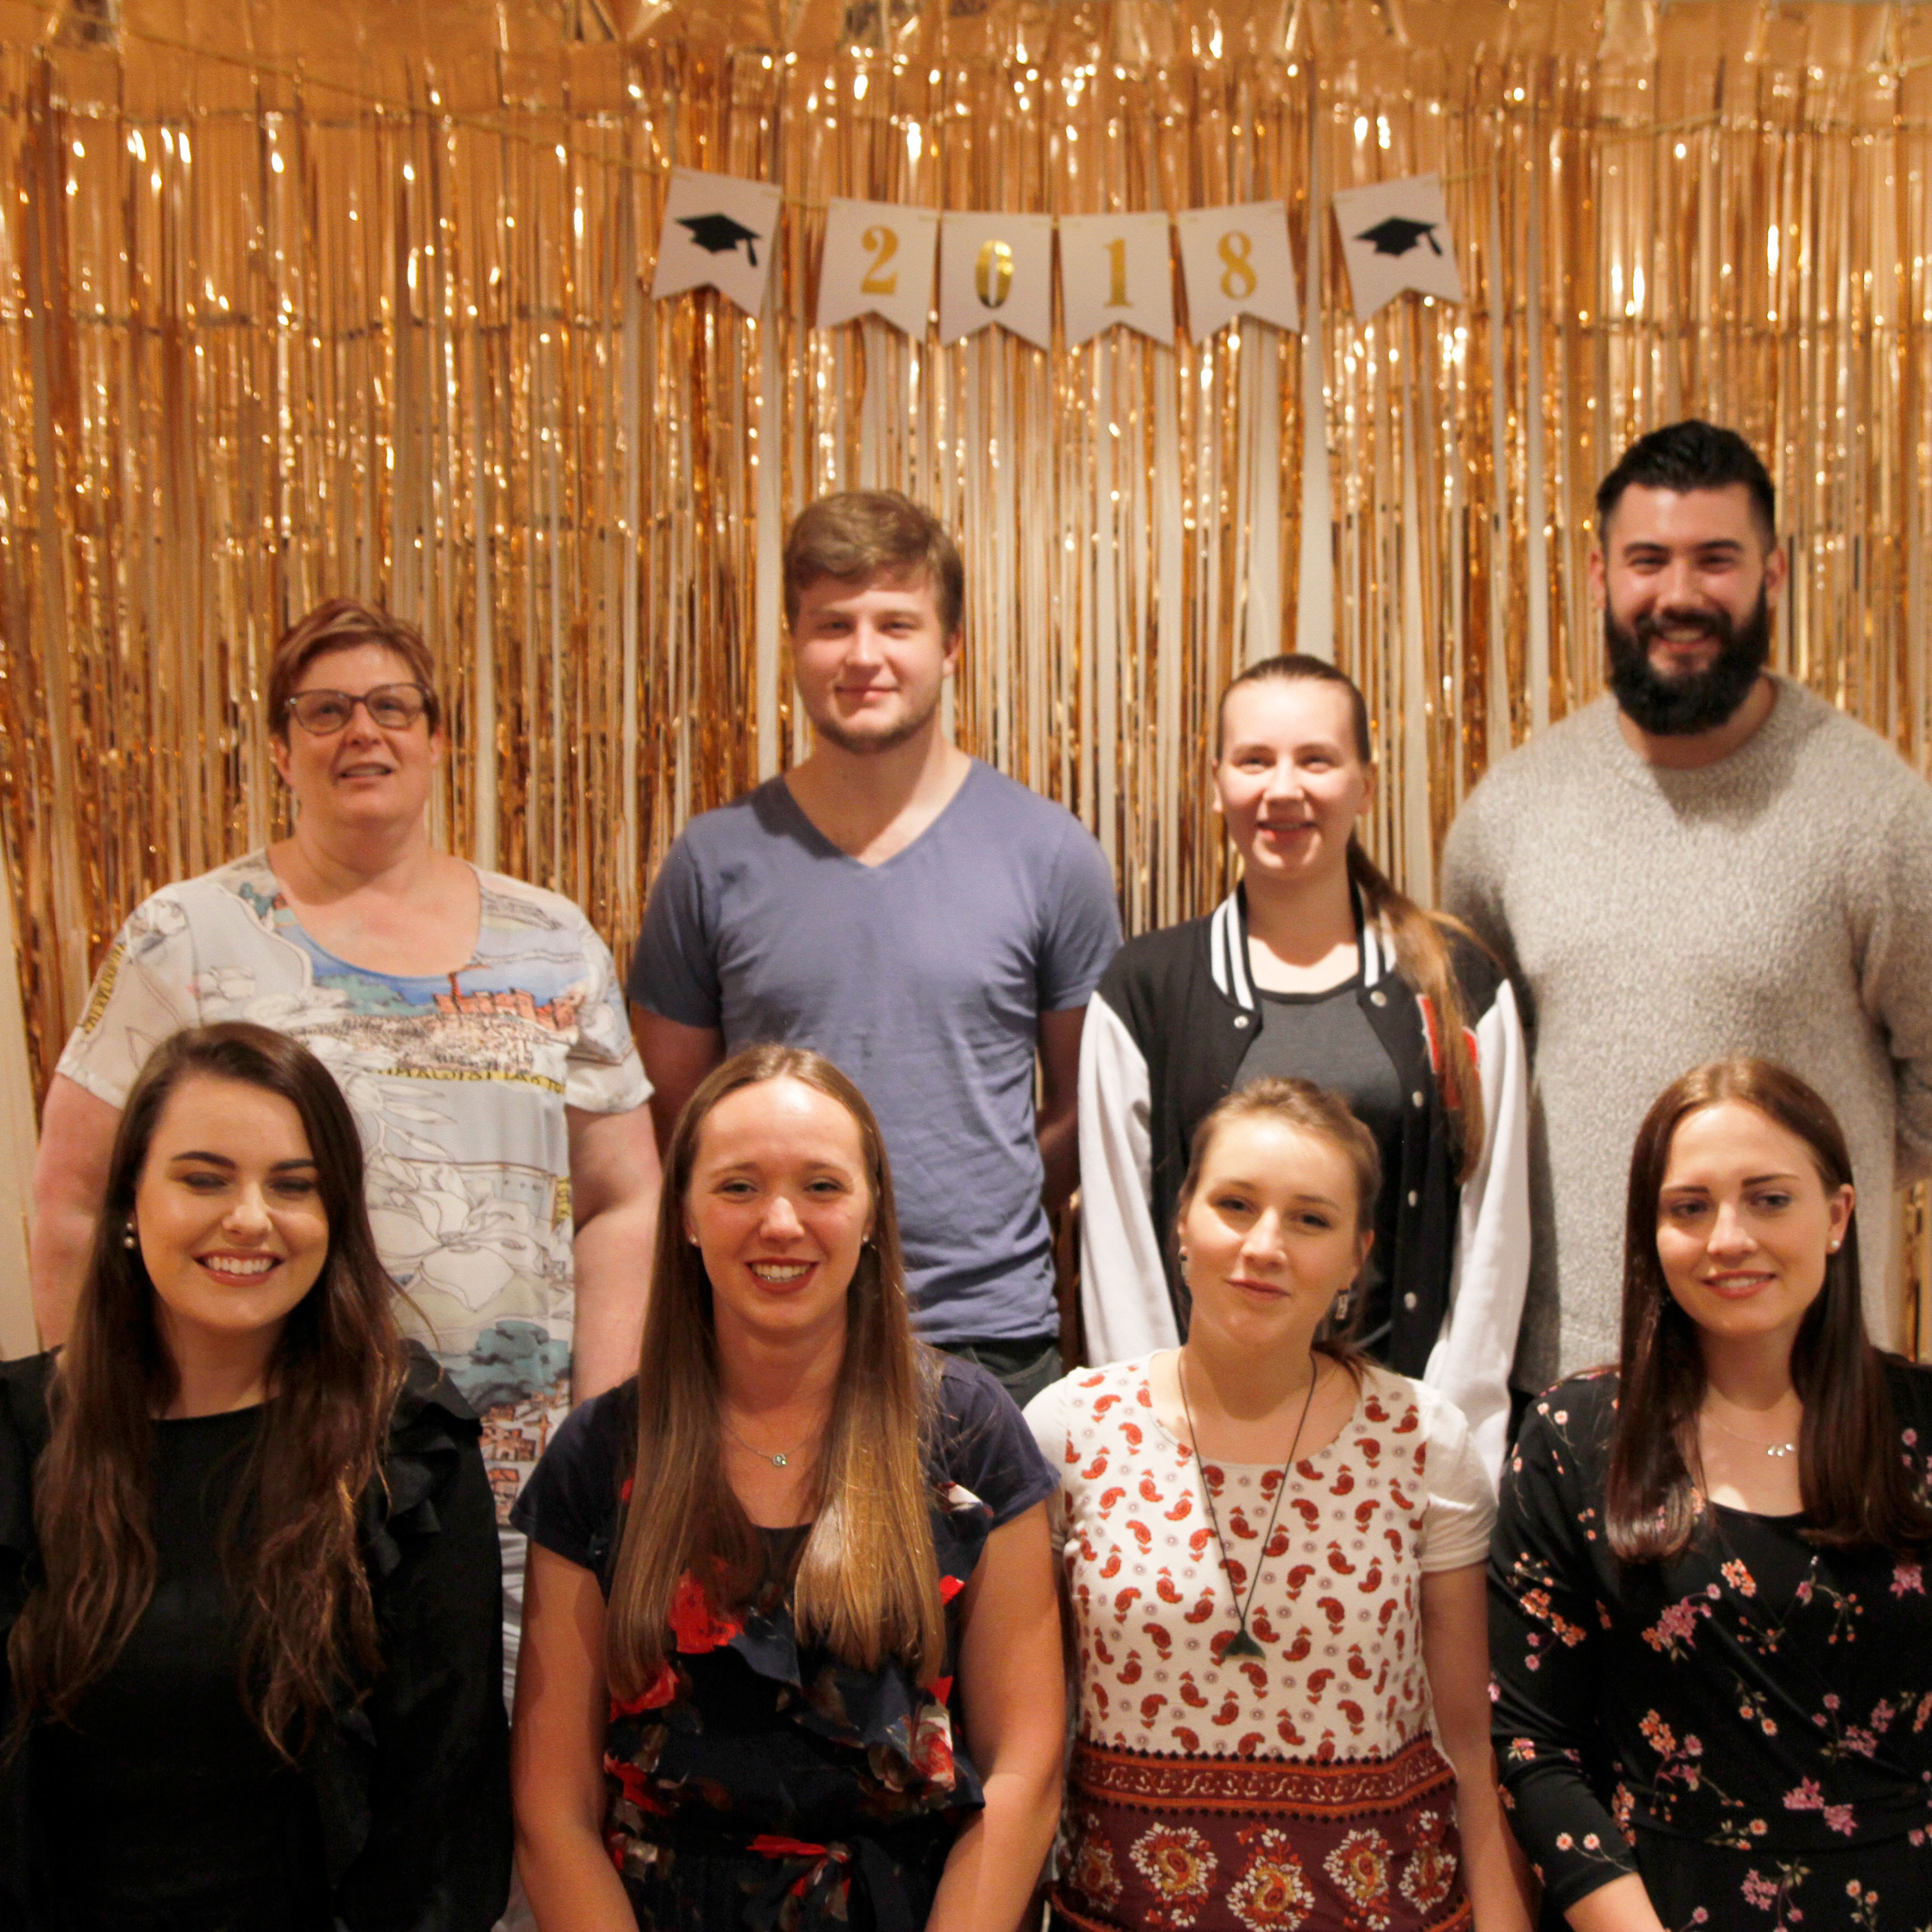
column 929, row 924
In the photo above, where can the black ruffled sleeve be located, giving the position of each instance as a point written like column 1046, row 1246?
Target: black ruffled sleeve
column 435, row 1839
column 1542, row 1618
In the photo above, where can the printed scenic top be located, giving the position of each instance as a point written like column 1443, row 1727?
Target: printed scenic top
column 458, row 1082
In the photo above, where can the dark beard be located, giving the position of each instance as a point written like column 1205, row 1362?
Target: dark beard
column 1678, row 707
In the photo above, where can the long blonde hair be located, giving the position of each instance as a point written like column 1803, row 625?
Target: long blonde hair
column 867, row 1583
column 1422, row 954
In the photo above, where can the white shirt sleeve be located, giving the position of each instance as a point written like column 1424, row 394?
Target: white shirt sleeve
column 1050, row 1416
column 1470, row 1363
column 144, row 993
column 1461, row 1510
column 1124, row 1302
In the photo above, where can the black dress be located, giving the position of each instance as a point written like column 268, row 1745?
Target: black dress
column 161, row 1808
column 760, row 1782
column 1748, row 1728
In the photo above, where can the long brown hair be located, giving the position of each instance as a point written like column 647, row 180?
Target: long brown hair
column 867, row 1584
column 289, row 1545
column 1324, row 1115
column 1856, row 1490
column 1422, row 954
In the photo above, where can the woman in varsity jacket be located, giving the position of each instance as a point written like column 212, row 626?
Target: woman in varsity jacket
column 1316, row 967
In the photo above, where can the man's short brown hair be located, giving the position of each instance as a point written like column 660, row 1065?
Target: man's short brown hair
column 862, row 533
column 340, row 625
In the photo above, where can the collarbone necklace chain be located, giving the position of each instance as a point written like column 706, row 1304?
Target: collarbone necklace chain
column 1777, row 1450
column 781, row 1460
column 1242, row 1644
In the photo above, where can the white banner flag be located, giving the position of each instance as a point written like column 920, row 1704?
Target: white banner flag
column 1237, row 261
column 1395, row 236
column 997, row 268
column 1116, row 267
column 719, row 232
column 877, row 260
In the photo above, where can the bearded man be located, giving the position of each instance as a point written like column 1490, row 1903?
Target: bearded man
column 1708, row 860
column 923, row 921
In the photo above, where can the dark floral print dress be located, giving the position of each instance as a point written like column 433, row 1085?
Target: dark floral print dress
column 1749, row 1728
column 760, row 1784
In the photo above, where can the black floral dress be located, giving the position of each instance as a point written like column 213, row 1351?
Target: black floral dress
column 1748, row 1728
column 760, row 1784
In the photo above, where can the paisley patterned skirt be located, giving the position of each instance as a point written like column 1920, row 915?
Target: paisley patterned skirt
column 1180, row 1844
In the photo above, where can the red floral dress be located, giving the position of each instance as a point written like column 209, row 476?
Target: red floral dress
column 1299, row 1789
column 762, row 1785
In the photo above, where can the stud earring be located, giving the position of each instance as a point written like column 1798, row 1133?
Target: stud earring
column 1834, row 1246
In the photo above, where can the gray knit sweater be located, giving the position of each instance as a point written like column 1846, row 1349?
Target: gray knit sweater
column 1778, row 902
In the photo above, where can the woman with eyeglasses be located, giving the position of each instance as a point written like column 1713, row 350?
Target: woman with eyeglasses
column 475, row 1024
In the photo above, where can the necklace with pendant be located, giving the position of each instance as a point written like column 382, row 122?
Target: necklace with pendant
column 1241, row 1644
column 782, row 1460
column 1774, row 1449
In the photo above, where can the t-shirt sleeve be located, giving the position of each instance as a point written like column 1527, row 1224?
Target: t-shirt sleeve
column 144, row 993
column 1461, row 1510
column 604, row 1074
column 1050, row 1416
column 569, row 1504
column 984, row 1444
column 673, row 967
column 1081, row 927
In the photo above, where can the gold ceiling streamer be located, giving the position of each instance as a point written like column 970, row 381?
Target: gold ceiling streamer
column 296, row 300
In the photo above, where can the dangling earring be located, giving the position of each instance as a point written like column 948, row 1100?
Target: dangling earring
column 130, row 1239
column 1339, row 1313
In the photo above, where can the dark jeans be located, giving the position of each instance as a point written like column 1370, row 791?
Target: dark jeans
column 1022, row 1368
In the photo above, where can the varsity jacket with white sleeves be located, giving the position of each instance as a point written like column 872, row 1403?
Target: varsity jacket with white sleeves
column 1164, row 1039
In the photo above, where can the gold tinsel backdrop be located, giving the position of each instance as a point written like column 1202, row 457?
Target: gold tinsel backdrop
column 297, row 299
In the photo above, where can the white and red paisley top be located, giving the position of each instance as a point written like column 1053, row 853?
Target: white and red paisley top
column 1400, row 1491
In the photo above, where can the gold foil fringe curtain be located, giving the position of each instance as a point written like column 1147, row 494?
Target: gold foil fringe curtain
column 298, row 300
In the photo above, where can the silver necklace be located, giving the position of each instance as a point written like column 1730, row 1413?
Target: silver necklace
column 1772, row 1449
column 782, row 1460
column 1241, row 1644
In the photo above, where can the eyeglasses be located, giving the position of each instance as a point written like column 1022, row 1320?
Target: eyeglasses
column 395, row 707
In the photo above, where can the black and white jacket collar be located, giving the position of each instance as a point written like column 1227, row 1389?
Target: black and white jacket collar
column 1228, row 949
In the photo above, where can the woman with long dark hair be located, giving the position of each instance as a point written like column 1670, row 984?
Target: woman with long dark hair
column 248, row 1580
column 1710, row 1626
column 1273, row 1553
column 772, row 1573
column 474, row 1021
column 1316, row 967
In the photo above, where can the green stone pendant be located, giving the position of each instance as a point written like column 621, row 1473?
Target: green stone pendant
column 1243, row 1645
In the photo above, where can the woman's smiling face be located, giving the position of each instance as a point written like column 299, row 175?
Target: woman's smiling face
column 1744, row 1222
column 228, row 1214
column 779, row 1206
column 1270, row 1234
column 1290, row 781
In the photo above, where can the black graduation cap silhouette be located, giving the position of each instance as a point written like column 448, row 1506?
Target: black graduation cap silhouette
column 720, row 234
column 1398, row 235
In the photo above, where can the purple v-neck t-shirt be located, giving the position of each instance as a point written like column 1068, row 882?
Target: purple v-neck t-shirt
column 924, row 980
